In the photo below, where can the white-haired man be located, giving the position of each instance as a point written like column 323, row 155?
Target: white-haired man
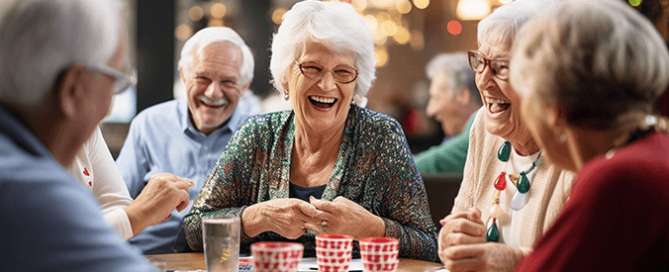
column 186, row 137
column 454, row 100
column 61, row 63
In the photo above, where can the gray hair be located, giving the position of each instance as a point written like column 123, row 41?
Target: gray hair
column 210, row 35
column 600, row 62
column 335, row 25
column 507, row 20
column 41, row 38
column 456, row 66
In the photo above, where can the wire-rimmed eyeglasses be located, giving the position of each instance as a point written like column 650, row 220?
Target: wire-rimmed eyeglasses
column 499, row 67
column 125, row 78
column 341, row 73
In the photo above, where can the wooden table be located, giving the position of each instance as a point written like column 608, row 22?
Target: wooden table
column 193, row 261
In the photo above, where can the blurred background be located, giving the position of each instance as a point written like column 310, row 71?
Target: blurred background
column 407, row 34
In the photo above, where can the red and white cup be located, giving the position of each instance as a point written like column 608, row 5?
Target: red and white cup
column 333, row 252
column 276, row 256
column 379, row 254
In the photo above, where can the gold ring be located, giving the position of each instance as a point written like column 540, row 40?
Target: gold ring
column 324, row 225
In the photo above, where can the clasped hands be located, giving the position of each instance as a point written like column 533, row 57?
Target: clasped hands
column 463, row 246
column 291, row 218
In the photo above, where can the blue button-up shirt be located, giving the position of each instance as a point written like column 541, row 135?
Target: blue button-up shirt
column 163, row 139
column 48, row 222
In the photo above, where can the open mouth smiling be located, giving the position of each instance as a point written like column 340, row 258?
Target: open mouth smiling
column 497, row 106
column 322, row 102
column 212, row 103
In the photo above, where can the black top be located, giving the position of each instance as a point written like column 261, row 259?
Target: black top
column 296, row 191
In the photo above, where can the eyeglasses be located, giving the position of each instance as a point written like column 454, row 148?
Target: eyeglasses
column 125, row 78
column 499, row 67
column 341, row 73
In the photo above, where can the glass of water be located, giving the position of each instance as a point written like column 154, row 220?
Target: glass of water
column 221, row 242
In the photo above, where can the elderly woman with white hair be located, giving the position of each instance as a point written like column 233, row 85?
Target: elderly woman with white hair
column 509, row 196
column 327, row 166
column 589, row 73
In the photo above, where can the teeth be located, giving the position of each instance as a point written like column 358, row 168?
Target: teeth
column 495, row 101
column 322, row 99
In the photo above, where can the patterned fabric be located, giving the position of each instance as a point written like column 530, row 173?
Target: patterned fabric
column 374, row 168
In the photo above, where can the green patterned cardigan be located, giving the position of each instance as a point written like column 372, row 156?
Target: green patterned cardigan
column 374, row 168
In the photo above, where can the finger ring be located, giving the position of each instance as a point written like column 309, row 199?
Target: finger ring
column 324, row 225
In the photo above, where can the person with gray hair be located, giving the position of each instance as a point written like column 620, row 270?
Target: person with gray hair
column 454, row 100
column 589, row 74
column 327, row 166
column 216, row 68
column 62, row 61
column 509, row 196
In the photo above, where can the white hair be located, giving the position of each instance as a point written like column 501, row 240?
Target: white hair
column 335, row 25
column 41, row 38
column 217, row 34
column 600, row 61
column 457, row 69
column 503, row 24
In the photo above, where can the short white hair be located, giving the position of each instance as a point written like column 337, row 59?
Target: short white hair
column 600, row 62
column 503, row 24
column 457, row 69
column 217, row 34
column 336, row 25
column 41, row 38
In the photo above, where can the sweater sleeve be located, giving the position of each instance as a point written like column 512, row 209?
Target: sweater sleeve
column 448, row 157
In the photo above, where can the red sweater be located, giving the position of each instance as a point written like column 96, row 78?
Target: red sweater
column 617, row 217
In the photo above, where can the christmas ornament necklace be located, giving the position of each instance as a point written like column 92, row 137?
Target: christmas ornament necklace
column 522, row 183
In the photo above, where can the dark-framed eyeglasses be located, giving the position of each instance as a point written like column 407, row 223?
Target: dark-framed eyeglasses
column 499, row 67
column 341, row 73
column 125, row 78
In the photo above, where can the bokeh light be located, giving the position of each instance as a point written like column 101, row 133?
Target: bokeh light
column 359, row 5
column 183, row 32
column 277, row 15
column 473, row 9
column 379, row 37
column 381, row 57
column 382, row 17
column 218, row 10
column 371, row 22
column 404, row 7
column 402, row 36
column 389, row 28
column 196, row 13
column 421, row 4
column 216, row 22
column 454, row 27
column 417, row 40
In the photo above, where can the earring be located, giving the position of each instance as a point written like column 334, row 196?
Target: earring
column 285, row 95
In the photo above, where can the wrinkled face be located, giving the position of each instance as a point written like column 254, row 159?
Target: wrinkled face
column 320, row 104
column 540, row 120
column 499, row 98
column 443, row 105
column 214, row 85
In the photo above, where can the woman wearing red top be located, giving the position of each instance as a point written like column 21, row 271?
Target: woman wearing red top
column 589, row 73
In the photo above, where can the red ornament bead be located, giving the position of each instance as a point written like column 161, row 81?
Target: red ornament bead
column 500, row 182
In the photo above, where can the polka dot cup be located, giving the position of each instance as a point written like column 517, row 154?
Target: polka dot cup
column 276, row 256
column 379, row 254
column 333, row 252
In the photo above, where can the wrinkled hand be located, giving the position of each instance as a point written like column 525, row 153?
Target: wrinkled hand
column 461, row 228
column 343, row 216
column 155, row 203
column 289, row 217
column 481, row 257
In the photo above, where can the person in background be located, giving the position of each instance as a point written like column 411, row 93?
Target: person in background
column 327, row 166
column 589, row 73
column 454, row 100
column 509, row 195
column 186, row 137
column 62, row 61
column 94, row 168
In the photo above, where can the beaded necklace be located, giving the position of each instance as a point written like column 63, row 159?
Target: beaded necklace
column 521, row 197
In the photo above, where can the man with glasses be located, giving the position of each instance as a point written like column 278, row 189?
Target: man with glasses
column 454, row 100
column 186, row 137
column 61, row 63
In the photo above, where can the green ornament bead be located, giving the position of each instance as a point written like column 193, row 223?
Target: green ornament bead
column 504, row 151
column 493, row 234
column 523, row 183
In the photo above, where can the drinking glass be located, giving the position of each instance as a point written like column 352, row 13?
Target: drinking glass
column 221, row 242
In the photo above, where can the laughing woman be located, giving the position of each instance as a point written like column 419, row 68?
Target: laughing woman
column 509, row 196
column 328, row 165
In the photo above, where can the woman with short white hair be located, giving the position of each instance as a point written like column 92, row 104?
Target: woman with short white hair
column 328, row 165
column 509, row 195
column 589, row 73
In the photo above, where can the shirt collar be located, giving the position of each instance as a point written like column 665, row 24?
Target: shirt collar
column 232, row 125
